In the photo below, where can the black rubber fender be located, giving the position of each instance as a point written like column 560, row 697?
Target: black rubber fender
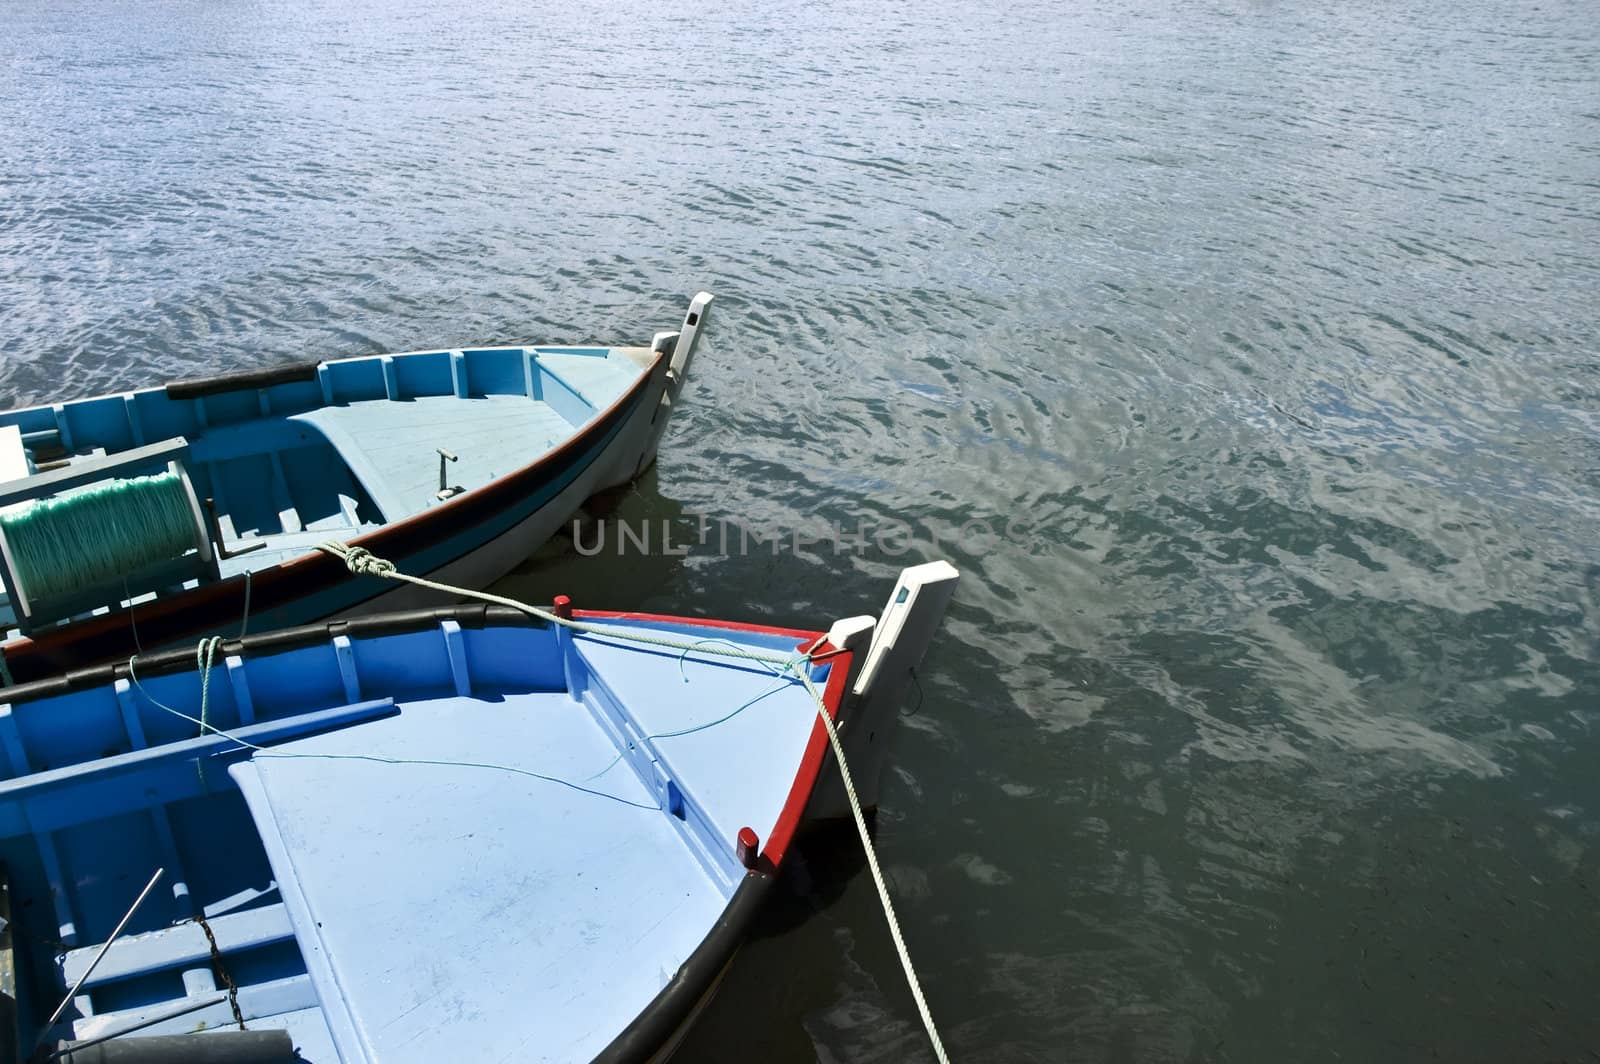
column 217, row 1047
column 242, row 381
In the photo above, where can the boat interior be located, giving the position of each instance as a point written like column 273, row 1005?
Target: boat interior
column 451, row 836
column 278, row 461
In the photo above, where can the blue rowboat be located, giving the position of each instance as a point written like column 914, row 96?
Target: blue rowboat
column 464, row 833
column 455, row 463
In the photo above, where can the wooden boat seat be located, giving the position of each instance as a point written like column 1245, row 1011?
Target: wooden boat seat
column 177, row 947
column 276, row 477
column 78, row 794
column 288, row 1003
column 183, row 954
column 355, row 456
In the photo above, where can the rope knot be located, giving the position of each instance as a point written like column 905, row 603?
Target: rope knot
column 363, row 562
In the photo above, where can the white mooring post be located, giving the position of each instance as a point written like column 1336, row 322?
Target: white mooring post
column 880, row 672
column 681, row 344
column 694, row 319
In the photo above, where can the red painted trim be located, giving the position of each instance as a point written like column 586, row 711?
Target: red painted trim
column 805, row 780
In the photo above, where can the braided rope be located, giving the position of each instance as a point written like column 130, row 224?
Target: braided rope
column 363, row 562
column 877, row 875
column 204, row 654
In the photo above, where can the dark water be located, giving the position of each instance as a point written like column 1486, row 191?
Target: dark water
column 1271, row 733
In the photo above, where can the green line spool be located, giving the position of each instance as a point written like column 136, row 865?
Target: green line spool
column 98, row 534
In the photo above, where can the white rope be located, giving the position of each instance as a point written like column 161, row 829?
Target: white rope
column 204, row 652
column 364, row 563
column 877, row 873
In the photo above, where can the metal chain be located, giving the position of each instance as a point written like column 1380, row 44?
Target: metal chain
column 222, row 972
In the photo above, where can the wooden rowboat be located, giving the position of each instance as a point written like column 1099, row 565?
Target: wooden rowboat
column 457, row 834
column 454, row 463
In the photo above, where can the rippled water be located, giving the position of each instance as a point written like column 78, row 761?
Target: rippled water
column 1270, row 734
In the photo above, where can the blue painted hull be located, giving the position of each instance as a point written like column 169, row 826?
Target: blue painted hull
column 470, row 539
column 450, row 834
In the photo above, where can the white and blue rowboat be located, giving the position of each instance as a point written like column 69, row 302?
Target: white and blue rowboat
column 464, row 833
column 454, row 463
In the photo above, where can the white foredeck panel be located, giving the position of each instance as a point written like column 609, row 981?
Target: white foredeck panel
column 598, row 378
column 469, row 913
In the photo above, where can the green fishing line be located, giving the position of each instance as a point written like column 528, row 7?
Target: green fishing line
column 98, row 534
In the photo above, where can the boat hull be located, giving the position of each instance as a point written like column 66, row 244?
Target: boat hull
column 657, row 1032
column 469, row 541
column 498, row 555
column 401, row 782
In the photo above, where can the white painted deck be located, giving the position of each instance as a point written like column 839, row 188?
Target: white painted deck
column 471, row 914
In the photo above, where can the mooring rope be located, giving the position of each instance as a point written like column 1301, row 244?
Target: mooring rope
column 877, row 875
column 363, row 562
column 204, row 653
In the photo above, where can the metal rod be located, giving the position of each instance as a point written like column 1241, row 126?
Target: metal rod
column 223, row 550
column 444, row 479
column 98, row 957
column 183, row 1010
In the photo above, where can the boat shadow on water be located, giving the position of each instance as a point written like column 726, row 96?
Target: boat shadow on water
column 825, row 859
column 609, row 579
